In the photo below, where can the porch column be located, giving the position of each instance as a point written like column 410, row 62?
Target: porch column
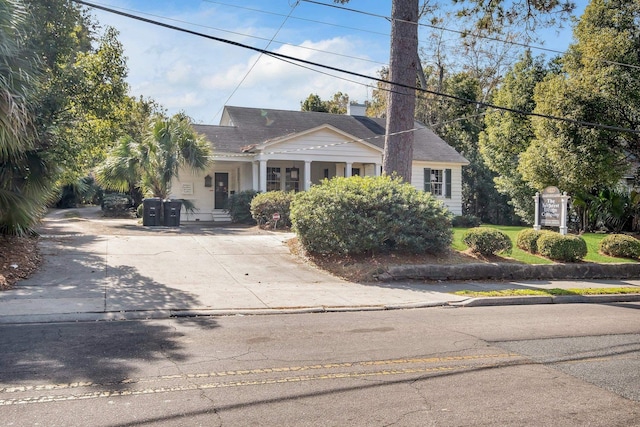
column 255, row 175
column 377, row 166
column 307, row 175
column 263, row 176
column 347, row 170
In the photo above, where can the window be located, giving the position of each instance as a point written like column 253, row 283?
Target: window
column 273, row 179
column 292, row 179
column 437, row 179
column 355, row 172
column 438, row 182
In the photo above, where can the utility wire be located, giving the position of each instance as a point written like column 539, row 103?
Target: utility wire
column 464, row 33
column 298, row 18
column 359, row 58
column 377, row 79
column 258, row 58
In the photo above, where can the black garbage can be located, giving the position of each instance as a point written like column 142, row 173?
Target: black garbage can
column 152, row 211
column 171, row 212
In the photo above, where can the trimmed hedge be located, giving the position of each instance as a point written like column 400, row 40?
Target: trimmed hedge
column 569, row 248
column 370, row 215
column 527, row 240
column 116, row 205
column 239, row 207
column 264, row 205
column 620, row 245
column 487, row 241
column 466, row 221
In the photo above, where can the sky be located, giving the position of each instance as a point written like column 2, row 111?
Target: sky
column 187, row 73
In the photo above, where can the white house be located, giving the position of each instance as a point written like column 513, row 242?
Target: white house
column 268, row 150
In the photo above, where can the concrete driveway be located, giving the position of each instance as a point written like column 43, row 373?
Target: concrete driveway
column 104, row 268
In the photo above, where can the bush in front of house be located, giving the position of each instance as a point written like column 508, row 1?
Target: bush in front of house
column 365, row 215
column 264, row 205
column 620, row 245
column 466, row 221
column 239, row 207
column 487, row 241
column 527, row 240
column 555, row 246
column 116, row 205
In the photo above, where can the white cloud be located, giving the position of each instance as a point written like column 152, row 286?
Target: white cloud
column 188, row 73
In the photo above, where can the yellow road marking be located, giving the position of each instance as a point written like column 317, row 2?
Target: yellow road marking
column 222, row 374
column 189, row 387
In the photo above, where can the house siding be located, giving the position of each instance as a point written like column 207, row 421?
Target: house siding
column 454, row 203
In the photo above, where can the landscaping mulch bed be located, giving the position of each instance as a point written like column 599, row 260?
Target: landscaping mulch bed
column 19, row 258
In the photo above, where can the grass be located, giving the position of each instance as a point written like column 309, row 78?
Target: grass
column 547, row 292
column 592, row 240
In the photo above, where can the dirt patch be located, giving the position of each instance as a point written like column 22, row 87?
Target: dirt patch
column 365, row 268
column 19, row 258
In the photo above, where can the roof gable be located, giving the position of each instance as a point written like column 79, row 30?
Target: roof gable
column 345, row 137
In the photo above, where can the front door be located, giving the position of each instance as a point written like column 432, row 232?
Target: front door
column 222, row 190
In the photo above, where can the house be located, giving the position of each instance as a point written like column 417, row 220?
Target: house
column 267, row 150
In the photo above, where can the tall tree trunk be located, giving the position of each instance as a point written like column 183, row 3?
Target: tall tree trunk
column 398, row 147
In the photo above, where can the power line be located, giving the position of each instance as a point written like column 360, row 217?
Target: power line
column 379, row 80
column 258, row 58
column 466, row 33
column 298, row 18
column 272, row 40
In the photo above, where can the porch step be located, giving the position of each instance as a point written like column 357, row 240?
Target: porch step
column 220, row 215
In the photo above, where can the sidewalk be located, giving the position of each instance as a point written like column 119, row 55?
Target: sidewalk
column 114, row 269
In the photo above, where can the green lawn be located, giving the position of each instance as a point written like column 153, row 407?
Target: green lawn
column 592, row 239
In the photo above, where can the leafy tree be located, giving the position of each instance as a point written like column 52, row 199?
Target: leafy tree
column 25, row 171
column 314, row 103
column 80, row 101
column 491, row 15
column 98, row 109
column 152, row 162
column 336, row 105
column 599, row 84
column 507, row 135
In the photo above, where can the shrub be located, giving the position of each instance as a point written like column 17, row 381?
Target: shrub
column 239, row 207
column 620, row 245
column 527, row 240
column 116, row 204
column 466, row 221
column 140, row 211
column 487, row 241
column 370, row 214
column 264, row 205
column 569, row 248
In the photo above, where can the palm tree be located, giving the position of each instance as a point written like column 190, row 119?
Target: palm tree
column 26, row 177
column 152, row 162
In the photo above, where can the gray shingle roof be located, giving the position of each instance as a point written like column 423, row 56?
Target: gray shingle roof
column 256, row 125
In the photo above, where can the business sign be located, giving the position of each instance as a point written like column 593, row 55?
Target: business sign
column 551, row 209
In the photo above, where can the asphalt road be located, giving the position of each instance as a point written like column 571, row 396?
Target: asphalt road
column 568, row 365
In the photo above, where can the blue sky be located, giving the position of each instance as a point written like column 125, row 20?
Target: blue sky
column 199, row 76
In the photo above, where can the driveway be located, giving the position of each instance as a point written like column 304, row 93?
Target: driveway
column 106, row 268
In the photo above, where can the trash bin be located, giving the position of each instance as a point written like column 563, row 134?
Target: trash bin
column 172, row 212
column 152, row 211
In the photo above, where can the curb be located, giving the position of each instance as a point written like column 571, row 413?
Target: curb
column 186, row 314
column 560, row 299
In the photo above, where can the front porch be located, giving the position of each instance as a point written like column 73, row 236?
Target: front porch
column 274, row 175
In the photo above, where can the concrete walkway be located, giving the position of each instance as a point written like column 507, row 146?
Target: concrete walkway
column 109, row 269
